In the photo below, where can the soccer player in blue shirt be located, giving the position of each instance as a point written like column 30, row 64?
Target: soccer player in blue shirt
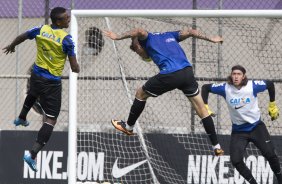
column 175, row 73
column 53, row 46
column 241, row 98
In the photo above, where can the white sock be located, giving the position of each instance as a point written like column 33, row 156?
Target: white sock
column 129, row 127
column 217, row 146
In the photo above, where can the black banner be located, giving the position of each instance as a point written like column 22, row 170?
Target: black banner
column 116, row 160
column 52, row 161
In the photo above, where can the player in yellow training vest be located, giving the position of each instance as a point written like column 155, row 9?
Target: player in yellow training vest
column 53, row 47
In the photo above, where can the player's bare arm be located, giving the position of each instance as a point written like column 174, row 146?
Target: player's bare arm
column 74, row 64
column 140, row 33
column 184, row 34
column 19, row 39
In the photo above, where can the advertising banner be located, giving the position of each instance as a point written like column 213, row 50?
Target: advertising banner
column 97, row 165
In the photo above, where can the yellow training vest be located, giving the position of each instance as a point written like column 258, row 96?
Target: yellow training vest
column 50, row 55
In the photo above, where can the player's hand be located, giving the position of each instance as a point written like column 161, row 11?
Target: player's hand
column 218, row 152
column 110, row 34
column 273, row 110
column 9, row 49
column 217, row 39
column 209, row 110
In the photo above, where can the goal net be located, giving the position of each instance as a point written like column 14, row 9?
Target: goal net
column 170, row 144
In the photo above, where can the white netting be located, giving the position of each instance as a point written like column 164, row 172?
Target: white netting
column 102, row 95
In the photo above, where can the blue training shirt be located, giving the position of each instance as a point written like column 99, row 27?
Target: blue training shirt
column 165, row 51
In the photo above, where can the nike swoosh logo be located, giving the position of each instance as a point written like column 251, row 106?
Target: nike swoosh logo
column 238, row 107
column 119, row 172
column 267, row 141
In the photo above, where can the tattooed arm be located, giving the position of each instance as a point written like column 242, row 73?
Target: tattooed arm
column 183, row 34
column 140, row 33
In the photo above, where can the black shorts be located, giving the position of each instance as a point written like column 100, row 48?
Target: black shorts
column 49, row 93
column 183, row 80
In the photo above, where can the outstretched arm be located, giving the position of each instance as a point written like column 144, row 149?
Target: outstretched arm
column 273, row 110
column 19, row 39
column 139, row 32
column 271, row 90
column 206, row 89
column 197, row 34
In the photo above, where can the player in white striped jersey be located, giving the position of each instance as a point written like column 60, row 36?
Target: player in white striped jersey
column 241, row 98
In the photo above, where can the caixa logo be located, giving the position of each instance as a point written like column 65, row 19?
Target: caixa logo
column 236, row 101
column 209, row 169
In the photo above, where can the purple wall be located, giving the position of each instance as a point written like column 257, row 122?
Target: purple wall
column 9, row 8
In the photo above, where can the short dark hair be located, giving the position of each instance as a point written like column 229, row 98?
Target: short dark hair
column 55, row 12
column 243, row 70
column 238, row 67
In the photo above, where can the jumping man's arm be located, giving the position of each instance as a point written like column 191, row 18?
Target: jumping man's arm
column 19, row 39
column 197, row 34
column 140, row 33
column 74, row 64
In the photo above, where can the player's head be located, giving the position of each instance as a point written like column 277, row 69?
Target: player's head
column 136, row 47
column 60, row 17
column 238, row 76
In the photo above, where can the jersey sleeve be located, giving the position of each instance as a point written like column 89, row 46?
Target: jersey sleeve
column 175, row 34
column 33, row 32
column 68, row 46
column 259, row 86
column 218, row 89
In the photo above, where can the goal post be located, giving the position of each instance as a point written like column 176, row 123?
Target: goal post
column 178, row 13
column 110, row 73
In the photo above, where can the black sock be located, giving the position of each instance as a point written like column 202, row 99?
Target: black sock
column 252, row 181
column 28, row 103
column 275, row 166
column 245, row 171
column 279, row 177
column 43, row 137
column 35, row 149
column 210, row 129
column 135, row 111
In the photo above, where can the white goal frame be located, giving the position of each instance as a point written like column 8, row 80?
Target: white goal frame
column 72, row 134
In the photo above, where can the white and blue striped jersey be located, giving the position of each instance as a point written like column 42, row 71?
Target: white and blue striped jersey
column 242, row 103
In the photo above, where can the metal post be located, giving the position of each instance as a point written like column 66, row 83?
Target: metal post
column 194, row 26
column 72, row 134
column 219, row 59
column 20, row 13
column 47, row 3
column 72, row 4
